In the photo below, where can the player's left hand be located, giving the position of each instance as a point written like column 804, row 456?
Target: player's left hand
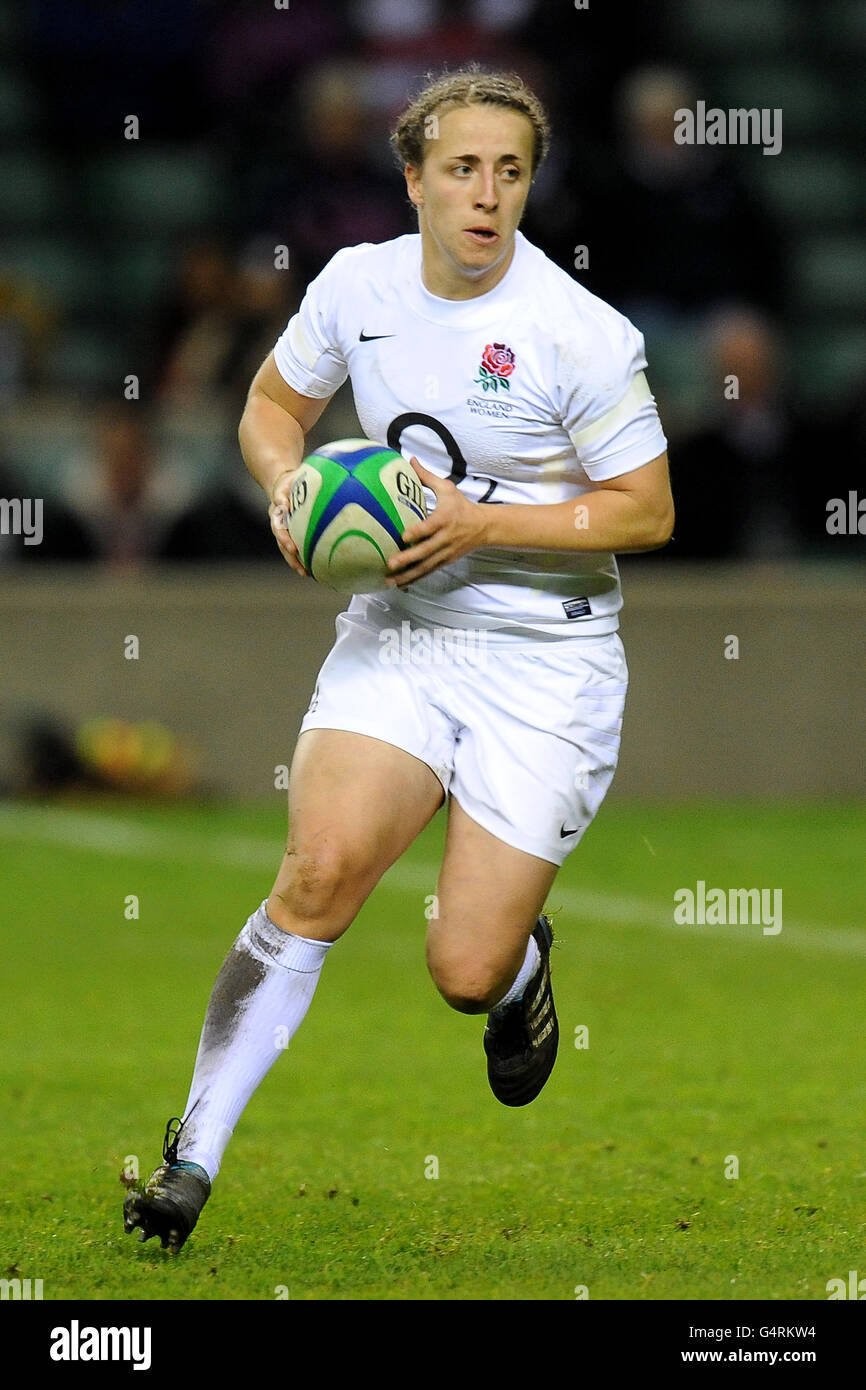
column 453, row 529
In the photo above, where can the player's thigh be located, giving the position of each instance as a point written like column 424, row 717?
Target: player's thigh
column 489, row 896
column 355, row 804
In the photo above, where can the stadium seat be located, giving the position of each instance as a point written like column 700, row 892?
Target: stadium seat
column 86, row 360
column 19, row 110
column 40, row 436
column 738, row 27
column 139, row 274
column 843, row 23
column 31, row 192
column 156, row 192
column 13, row 16
column 810, row 187
column 678, row 372
column 829, row 275
column 827, row 363
column 68, row 276
column 808, row 101
column 203, row 440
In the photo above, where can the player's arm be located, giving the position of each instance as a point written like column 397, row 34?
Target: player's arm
column 275, row 421
column 634, row 511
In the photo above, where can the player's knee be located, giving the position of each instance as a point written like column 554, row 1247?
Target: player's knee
column 467, row 1003
column 468, row 988
column 311, row 885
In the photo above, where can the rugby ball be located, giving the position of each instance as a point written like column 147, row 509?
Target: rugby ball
column 349, row 504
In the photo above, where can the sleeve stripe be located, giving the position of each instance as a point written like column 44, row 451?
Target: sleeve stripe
column 304, row 350
column 636, row 396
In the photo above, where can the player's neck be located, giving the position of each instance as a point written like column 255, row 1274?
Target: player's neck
column 447, row 281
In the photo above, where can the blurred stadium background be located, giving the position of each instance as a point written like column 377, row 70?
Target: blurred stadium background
column 154, row 259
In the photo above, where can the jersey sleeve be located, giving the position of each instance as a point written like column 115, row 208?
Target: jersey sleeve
column 308, row 354
column 608, row 409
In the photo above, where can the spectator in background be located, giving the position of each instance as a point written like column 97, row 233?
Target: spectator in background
column 220, row 323
column 62, row 536
column 833, row 446
column 197, row 330
column 227, row 523
column 735, row 478
column 254, row 52
column 26, row 324
column 322, row 189
column 122, row 495
column 95, row 61
column 397, row 42
column 265, row 297
column 675, row 232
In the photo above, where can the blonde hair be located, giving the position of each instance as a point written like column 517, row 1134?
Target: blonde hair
column 468, row 86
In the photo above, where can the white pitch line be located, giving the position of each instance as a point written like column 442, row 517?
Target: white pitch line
column 98, row 832
column 105, row 834
column 644, row 912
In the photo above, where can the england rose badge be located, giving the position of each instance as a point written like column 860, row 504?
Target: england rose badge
column 497, row 365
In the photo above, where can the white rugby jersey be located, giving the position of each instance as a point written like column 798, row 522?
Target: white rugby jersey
column 533, row 392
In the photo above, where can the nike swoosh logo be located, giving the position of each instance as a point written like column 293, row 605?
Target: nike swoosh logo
column 564, row 834
column 368, row 337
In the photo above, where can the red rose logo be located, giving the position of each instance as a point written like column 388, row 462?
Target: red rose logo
column 497, row 364
column 498, row 359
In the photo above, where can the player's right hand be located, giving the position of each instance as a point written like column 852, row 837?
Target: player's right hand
column 278, row 511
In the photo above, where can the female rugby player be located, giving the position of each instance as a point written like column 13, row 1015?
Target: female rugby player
column 520, row 399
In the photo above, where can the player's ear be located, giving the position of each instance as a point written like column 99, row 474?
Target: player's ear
column 413, row 185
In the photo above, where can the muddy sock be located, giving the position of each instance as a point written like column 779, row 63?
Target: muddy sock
column 259, row 1000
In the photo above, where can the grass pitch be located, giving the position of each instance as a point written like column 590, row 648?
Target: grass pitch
column 712, row 1051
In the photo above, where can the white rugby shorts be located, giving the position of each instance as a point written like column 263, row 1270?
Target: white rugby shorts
column 525, row 734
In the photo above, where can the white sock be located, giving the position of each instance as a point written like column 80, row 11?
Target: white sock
column 259, row 1000
column 531, row 962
